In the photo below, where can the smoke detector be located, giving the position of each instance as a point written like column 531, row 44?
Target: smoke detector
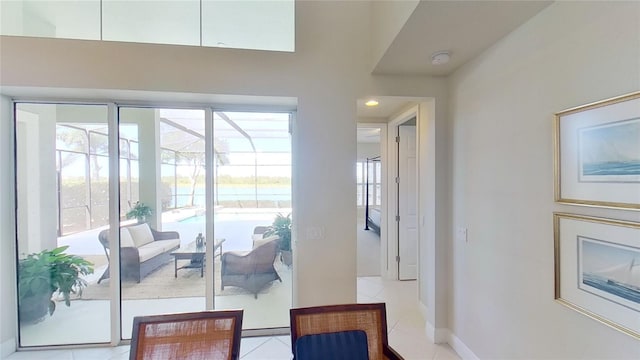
column 440, row 58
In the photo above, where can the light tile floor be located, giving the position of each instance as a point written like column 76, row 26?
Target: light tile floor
column 405, row 322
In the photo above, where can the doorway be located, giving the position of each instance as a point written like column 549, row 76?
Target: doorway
column 431, row 197
column 370, row 183
column 397, row 113
column 404, row 217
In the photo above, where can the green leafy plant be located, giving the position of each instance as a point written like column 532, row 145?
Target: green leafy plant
column 41, row 274
column 140, row 212
column 281, row 226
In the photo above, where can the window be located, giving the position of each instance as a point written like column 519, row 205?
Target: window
column 247, row 24
column 368, row 178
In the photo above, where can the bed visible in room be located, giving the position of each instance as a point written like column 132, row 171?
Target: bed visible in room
column 373, row 219
column 373, row 216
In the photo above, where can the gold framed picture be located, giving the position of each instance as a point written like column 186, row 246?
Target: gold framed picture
column 597, row 154
column 597, row 269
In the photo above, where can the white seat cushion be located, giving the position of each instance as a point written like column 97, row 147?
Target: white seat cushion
column 150, row 250
column 169, row 244
column 125, row 238
column 141, row 234
column 156, row 248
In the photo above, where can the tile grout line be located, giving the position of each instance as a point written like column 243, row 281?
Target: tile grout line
column 255, row 348
column 264, row 340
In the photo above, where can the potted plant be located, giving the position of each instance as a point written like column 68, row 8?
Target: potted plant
column 281, row 226
column 140, row 212
column 41, row 274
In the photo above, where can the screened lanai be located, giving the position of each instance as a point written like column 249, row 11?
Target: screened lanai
column 252, row 165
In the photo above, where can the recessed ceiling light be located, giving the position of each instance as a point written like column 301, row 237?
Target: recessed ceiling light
column 372, row 102
column 440, row 58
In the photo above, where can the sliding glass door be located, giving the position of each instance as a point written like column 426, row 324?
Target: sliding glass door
column 162, row 187
column 253, row 193
column 194, row 204
column 62, row 185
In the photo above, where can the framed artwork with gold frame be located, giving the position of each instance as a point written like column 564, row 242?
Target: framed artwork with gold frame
column 597, row 154
column 597, row 269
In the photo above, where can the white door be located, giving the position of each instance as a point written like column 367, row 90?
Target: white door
column 407, row 204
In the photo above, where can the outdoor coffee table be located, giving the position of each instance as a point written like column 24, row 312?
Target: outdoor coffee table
column 195, row 255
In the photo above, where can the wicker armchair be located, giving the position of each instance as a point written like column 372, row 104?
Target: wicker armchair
column 251, row 270
column 371, row 318
column 195, row 336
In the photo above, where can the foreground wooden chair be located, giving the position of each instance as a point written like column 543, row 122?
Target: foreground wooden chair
column 194, row 336
column 371, row 318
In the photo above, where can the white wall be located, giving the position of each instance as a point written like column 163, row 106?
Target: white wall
column 502, row 106
column 368, row 150
column 327, row 73
column 7, row 231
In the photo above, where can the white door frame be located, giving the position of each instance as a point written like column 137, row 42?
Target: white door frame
column 392, row 189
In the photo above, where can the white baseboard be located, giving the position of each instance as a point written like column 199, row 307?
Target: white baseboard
column 436, row 335
column 8, row 347
column 441, row 336
column 463, row 351
column 445, row 336
column 423, row 309
column 431, row 331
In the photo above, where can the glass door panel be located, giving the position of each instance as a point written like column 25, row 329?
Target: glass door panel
column 62, row 178
column 253, row 185
column 162, row 185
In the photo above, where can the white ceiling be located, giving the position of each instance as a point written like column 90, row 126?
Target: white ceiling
column 464, row 28
column 387, row 107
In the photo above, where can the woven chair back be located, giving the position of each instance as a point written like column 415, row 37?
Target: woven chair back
column 194, row 336
column 371, row 318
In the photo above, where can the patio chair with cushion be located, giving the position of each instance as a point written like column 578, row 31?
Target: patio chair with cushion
column 197, row 336
column 370, row 318
column 251, row 270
